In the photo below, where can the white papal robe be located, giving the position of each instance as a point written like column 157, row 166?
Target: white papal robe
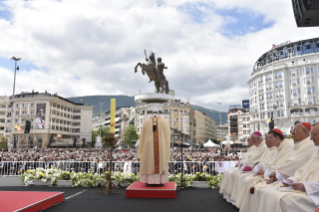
column 300, row 154
column 154, row 151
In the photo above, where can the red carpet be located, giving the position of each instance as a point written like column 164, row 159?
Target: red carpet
column 28, row 201
column 140, row 190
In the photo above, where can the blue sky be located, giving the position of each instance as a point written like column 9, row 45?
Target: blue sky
column 23, row 65
column 246, row 22
column 4, row 14
column 237, row 22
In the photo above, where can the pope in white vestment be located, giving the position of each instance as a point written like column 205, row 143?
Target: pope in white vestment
column 154, row 151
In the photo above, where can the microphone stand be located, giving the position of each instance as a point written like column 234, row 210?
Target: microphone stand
column 182, row 159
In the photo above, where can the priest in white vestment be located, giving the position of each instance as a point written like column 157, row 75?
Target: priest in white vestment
column 303, row 193
column 300, row 153
column 154, row 151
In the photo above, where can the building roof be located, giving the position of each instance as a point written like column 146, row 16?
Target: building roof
column 37, row 94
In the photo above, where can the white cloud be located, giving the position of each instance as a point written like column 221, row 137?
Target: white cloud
column 92, row 47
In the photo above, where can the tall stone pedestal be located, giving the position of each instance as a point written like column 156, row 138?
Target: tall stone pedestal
column 154, row 101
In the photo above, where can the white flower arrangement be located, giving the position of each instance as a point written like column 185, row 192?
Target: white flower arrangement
column 44, row 175
column 90, row 179
column 86, row 179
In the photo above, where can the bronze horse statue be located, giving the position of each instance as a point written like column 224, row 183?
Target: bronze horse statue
column 154, row 74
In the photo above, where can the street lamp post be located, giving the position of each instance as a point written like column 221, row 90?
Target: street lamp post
column 273, row 84
column 12, row 102
column 101, row 104
column 220, row 123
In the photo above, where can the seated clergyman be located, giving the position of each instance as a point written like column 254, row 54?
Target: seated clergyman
column 300, row 192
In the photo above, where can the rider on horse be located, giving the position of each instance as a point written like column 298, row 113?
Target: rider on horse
column 151, row 63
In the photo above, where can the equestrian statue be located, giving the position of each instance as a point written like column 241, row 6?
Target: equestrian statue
column 155, row 72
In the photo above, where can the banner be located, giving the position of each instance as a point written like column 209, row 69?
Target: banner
column 40, row 119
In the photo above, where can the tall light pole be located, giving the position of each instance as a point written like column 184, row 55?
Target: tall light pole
column 12, row 102
column 273, row 84
column 101, row 104
column 220, row 123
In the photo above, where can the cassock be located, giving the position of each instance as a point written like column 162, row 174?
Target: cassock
column 300, row 154
column 226, row 173
column 288, row 199
column 284, row 147
column 154, row 151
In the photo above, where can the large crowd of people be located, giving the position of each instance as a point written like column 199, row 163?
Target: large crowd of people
column 85, row 159
column 276, row 174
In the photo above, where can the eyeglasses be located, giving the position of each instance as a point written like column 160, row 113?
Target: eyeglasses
column 294, row 130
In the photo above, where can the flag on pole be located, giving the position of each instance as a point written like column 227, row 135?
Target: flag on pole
column 18, row 128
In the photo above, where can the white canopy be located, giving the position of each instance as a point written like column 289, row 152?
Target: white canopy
column 226, row 142
column 209, row 143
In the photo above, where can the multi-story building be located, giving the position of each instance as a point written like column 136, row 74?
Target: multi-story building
column 175, row 112
column 210, row 128
column 222, row 131
column 54, row 120
column 124, row 116
column 238, row 124
column 202, row 127
column 284, row 85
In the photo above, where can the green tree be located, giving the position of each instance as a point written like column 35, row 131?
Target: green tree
column 105, row 133
column 130, row 135
column 3, row 142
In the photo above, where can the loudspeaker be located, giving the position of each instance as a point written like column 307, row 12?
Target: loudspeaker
column 27, row 127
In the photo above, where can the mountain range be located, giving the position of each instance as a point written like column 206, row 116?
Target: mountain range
column 128, row 101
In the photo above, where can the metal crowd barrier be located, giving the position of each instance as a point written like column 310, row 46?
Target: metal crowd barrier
column 14, row 168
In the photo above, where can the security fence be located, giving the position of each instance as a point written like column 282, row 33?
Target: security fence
column 11, row 168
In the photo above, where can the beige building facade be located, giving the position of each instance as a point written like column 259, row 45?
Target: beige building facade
column 203, row 126
column 55, row 121
column 175, row 112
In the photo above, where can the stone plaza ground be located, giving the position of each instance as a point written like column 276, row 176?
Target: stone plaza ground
column 80, row 199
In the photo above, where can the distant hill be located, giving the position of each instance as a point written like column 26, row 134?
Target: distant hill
column 128, row 101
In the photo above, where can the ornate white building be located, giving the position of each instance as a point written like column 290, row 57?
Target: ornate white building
column 284, row 83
